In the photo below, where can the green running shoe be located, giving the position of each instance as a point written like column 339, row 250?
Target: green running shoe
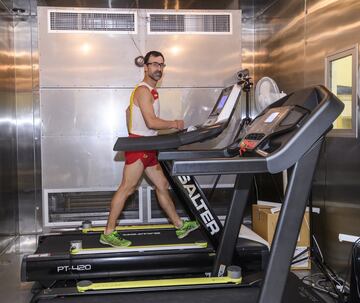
column 186, row 228
column 114, row 239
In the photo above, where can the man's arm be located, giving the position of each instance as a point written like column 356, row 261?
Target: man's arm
column 144, row 100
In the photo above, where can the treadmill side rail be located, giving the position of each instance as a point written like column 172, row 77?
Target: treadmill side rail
column 142, row 248
column 84, row 286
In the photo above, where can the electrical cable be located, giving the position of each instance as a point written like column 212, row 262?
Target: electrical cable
column 131, row 36
column 325, row 270
column 310, row 281
column 349, row 263
column 213, row 188
column 338, row 285
column 243, row 124
column 315, row 284
column 318, row 248
column 133, row 40
column 319, row 259
column 354, row 249
column 256, row 189
column 278, row 191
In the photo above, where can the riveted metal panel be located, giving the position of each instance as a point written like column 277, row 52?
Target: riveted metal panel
column 279, row 38
column 8, row 171
column 199, row 60
column 28, row 126
column 80, row 127
column 84, row 112
column 106, row 60
column 86, row 59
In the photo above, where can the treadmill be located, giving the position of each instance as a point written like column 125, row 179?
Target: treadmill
column 286, row 135
column 156, row 250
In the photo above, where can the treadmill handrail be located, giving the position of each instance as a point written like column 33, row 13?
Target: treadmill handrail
column 224, row 166
column 168, row 141
column 191, row 154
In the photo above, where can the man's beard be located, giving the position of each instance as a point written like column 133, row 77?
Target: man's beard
column 156, row 76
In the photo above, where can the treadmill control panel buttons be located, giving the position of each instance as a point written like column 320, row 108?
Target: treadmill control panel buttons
column 248, row 144
column 251, row 141
column 210, row 121
column 255, row 136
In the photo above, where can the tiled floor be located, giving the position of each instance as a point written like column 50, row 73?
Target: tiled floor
column 11, row 289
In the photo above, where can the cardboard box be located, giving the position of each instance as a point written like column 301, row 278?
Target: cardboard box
column 264, row 223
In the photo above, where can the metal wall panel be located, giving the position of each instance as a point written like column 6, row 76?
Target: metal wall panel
column 79, row 162
column 203, row 60
column 27, row 101
column 279, row 40
column 86, row 59
column 8, row 173
column 292, row 39
column 160, row 4
column 107, row 60
column 324, row 37
column 80, row 127
column 340, row 203
column 329, row 28
column 247, row 35
column 85, row 112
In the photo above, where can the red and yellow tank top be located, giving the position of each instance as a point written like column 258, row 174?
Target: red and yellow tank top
column 137, row 125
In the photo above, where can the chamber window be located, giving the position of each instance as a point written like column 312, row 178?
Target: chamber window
column 341, row 79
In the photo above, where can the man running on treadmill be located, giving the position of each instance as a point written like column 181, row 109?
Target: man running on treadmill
column 143, row 120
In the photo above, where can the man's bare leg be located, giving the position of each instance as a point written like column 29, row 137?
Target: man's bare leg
column 157, row 177
column 131, row 176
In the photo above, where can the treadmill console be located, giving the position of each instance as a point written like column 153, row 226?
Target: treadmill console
column 224, row 105
column 274, row 121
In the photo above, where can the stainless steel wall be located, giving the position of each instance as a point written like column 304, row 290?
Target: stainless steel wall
column 279, row 43
column 292, row 39
column 8, row 171
column 28, row 118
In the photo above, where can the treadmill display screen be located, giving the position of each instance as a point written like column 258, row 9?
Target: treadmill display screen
column 271, row 117
column 220, row 103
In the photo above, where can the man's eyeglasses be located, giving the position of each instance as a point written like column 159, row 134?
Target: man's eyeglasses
column 156, row 64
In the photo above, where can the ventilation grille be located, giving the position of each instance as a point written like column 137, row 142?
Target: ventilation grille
column 62, row 21
column 190, row 23
column 69, row 207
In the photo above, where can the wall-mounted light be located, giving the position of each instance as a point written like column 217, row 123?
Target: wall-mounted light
column 175, row 50
column 85, row 48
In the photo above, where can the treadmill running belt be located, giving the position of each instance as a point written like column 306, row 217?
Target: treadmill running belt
column 61, row 243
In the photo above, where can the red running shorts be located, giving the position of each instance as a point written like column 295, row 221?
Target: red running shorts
column 147, row 157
